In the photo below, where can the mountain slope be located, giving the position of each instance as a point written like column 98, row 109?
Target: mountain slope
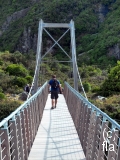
column 96, row 22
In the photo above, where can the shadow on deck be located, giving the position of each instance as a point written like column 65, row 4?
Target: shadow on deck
column 57, row 137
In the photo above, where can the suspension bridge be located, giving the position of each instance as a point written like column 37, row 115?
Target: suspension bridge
column 75, row 130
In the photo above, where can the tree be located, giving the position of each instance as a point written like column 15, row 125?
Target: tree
column 112, row 84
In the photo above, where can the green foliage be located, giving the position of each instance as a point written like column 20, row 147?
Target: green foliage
column 2, row 96
column 16, row 70
column 95, row 89
column 5, row 56
column 64, row 68
column 87, row 86
column 12, row 82
column 54, row 66
column 1, row 71
column 14, row 89
column 84, row 74
column 17, row 57
column 92, row 37
column 1, row 62
column 87, row 71
column 112, row 83
column 1, row 89
column 107, row 2
column 7, row 107
column 19, row 81
column 84, row 21
column 5, row 81
column 110, row 106
column 29, row 79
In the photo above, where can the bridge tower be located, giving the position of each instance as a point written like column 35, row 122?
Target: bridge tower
column 42, row 27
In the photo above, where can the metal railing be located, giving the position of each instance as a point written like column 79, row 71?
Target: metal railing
column 18, row 130
column 98, row 133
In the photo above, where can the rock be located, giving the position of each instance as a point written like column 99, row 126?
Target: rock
column 27, row 41
column 114, row 51
column 101, row 98
column 101, row 11
column 11, row 18
column 23, row 96
column 13, row 95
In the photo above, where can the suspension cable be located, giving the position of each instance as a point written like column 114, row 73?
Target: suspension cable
column 80, row 79
column 38, row 60
column 74, row 53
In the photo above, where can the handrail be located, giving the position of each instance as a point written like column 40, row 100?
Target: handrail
column 18, row 130
column 105, row 116
column 97, row 132
column 21, row 107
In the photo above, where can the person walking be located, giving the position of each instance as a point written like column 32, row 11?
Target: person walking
column 55, row 86
column 27, row 88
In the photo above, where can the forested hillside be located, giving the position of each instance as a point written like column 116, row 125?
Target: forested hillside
column 96, row 21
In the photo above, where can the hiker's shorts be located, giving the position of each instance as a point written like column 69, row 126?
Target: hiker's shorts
column 54, row 94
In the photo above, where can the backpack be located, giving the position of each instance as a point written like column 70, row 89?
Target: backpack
column 55, row 84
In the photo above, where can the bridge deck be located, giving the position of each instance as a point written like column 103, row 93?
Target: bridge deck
column 56, row 138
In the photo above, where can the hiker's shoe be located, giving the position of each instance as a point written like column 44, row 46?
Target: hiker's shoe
column 52, row 107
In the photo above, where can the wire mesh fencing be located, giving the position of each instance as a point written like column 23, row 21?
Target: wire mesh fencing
column 98, row 133
column 18, row 130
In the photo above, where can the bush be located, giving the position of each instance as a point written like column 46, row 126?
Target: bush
column 1, row 72
column 14, row 89
column 8, row 107
column 17, row 57
column 1, row 90
column 2, row 96
column 84, row 74
column 5, row 81
column 29, row 79
column 5, row 56
column 64, row 68
column 87, row 86
column 1, row 62
column 17, row 70
column 96, row 89
column 112, row 84
column 20, row 82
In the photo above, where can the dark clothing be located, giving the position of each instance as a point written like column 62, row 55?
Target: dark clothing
column 54, row 94
column 53, row 89
column 27, row 89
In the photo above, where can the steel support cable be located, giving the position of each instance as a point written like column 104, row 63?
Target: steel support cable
column 80, row 80
column 29, row 94
column 74, row 54
column 36, row 71
column 38, row 58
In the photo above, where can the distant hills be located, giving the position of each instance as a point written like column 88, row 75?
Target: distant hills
column 97, row 24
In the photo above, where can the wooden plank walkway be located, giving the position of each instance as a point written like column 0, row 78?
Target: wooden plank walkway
column 57, row 137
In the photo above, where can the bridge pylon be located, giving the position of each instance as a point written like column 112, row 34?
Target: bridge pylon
column 39, row 57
